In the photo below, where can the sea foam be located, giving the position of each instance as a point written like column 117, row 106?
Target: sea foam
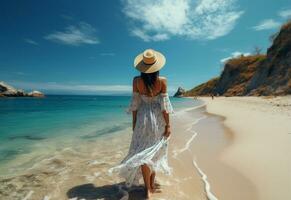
column 209, row 194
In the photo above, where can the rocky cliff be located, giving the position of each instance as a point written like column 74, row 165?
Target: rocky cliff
column 273, row 75
column 203, row 89
column 237, row 74
column 268, row 74
column 9, row 91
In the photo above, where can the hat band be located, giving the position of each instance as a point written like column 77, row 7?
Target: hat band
column 149, row 63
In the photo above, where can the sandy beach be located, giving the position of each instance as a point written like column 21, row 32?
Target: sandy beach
column 241, row 144
column 136, row 100
column 226, row 148
column 261, row 144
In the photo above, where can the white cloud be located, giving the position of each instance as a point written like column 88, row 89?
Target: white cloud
column 267, row 24
column 30, row 41
column 235, row 54
column 82, row 33
column 72, row 88
column 141, row 34
column 285, row 13
column 156, row 20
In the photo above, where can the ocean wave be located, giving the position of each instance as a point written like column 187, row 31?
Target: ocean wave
column 187, row 145
column 209, row 194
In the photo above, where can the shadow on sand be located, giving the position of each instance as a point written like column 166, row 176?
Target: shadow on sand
column 107, row 192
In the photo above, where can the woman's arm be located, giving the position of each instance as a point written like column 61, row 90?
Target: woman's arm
column 167, row 126
column 133, row 119
column 134, row 89
column 165, row 114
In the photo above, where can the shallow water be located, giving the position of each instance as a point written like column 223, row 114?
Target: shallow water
column 62, row 146
column 32, row 129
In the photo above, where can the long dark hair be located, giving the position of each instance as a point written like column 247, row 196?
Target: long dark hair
column 149, row 80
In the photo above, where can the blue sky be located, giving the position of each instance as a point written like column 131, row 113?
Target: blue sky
column 88, row 47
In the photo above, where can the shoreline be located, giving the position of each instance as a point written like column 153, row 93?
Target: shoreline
column 193, row 155
column 261, row 138
column 200, row 150
column 68, row 172
column 226, row 182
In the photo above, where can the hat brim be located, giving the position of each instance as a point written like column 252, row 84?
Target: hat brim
column 145, row 68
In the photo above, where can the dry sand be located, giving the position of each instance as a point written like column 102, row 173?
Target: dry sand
column 262, row 141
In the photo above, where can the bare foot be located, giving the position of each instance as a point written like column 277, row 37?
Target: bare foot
column 157, row 185
column 156, row 188
column 148, row 193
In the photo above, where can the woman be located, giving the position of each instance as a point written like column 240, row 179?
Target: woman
column 150, row 107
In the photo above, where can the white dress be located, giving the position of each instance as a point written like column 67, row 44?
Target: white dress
column 148, row 146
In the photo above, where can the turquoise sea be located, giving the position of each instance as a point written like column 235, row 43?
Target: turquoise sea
column 33, row 128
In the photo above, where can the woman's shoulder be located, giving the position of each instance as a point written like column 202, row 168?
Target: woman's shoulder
column 163, row 79
column 136, row 77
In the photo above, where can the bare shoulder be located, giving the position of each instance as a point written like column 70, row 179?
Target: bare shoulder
column 163, row 79
column 163, row 84
column 136, row 78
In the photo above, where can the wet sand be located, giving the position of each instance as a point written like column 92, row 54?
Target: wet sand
column 211, row 138
column 262, row 142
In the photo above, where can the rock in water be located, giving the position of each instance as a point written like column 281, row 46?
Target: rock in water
column 36, row 93
column 9, row 91
column 180, row 92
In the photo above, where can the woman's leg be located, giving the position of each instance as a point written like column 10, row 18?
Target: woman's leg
column 153, row 175
column 155, row 186
column 146, row 173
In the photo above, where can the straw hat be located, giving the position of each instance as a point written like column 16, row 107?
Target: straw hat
column 149, row 61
